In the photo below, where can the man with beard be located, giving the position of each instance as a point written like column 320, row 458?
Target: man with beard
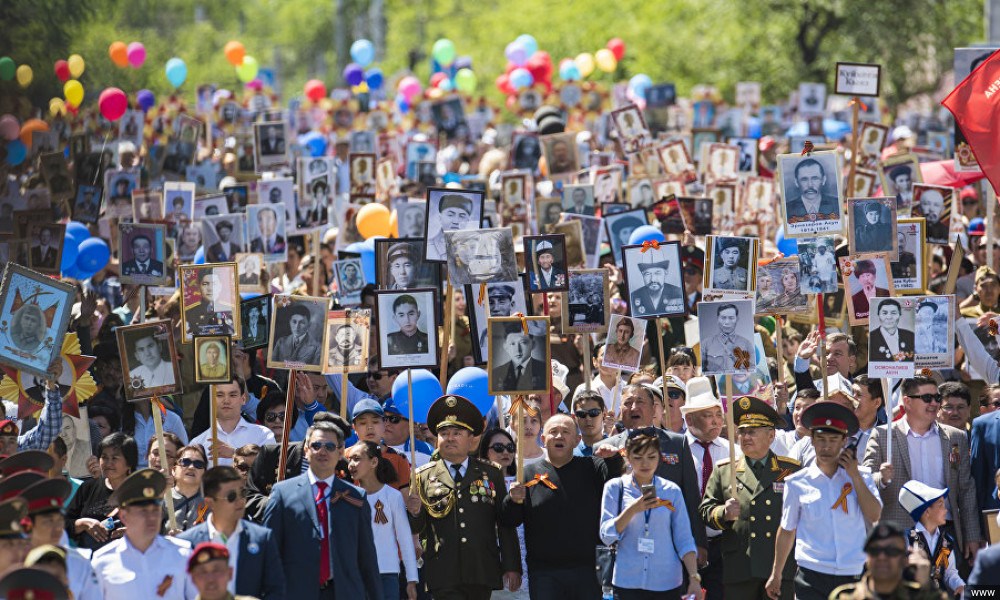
column 719, row 351
column 345, row 353
column 931, row 207
column 656, row 297
column 811, row 204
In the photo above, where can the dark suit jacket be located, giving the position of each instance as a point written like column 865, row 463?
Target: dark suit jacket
column 877, row 343
column 47, row 261
column 827, row 205
column 985, row 445
column 537, row 283
column 677, row 465
column 132, row 268
column 535, row 372
column 291, row 515
column 257, row 245
column 642, row 303
column 986, row 571
column 216, row 254
column 937, row 231
column 264, row 474
column 255, row 572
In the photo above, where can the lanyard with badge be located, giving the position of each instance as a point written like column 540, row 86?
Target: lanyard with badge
column 646, row 543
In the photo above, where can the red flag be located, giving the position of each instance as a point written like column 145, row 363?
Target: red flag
column 976, row 105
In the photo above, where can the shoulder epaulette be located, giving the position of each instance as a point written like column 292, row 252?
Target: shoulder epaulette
column 722, row 461
column 790, row 460
column 426, row 466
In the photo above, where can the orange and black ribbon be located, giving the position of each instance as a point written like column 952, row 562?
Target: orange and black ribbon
column 543, row 479
column 654, row 244
column 807, row 148
column 380, row 517
column 842, row 501
column 158, row 404
column 661, row 502
column 347, row 497
column 482, row 292
column 161, row 590
column 856, row 100
column 742, row 358
column 521, row 402
column 524, row 321
column 993, row 327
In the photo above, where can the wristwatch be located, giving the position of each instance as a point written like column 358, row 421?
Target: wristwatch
column 696, row 576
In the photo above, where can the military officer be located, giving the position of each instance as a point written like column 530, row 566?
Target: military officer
column 656, row 296
column 730, row 276
column 12, row 536
column 466, row 553
column 409, row 339
column 719, row 352
column 29, row 582
column 749, row 521
column 209, row 316
column 886, row 562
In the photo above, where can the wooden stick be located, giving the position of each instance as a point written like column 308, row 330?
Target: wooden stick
column 343, row 393
column 286, row 428
column 317, row 263
column 616, row 393
column 449, row 311
column 887, row 396
column 215, row 426
column 854, row 147
column 520, row 440
column 168, row 496
column 731, row 427
column 486, row 309
column 822, row 345
column 781, row 360
column 413, row 430
column 663, row 371
column 545, row 308
column 588, row 362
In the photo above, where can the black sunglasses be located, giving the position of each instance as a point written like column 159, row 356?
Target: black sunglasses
column 593, row 413
column 927, row 398
column 650, row 431
column 328, row 446
column 890, row 551
column 375, row 376
column 234, row 495
column 394, row 419
column 498, row 447
column 988, row 403
column 675, row 394
column 187, row 462
column 271, row 417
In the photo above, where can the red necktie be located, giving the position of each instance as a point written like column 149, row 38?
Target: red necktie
column 706, row 464
column 322, row 511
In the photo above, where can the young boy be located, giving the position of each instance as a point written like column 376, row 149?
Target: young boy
column 928, row 508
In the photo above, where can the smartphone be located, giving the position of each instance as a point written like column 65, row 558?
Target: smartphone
column 649, row 488
column 852, row 446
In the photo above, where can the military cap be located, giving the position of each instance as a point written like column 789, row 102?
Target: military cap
column 729, row 242
column 830, row 416
column 884, row 530
column 751, row 411
column 503, row 291
column 145, row 486
column 398, row 251
column 693, row 256
column 45, row 552
column 205, row 552
column 35, row 461
column 28, row 583
column 543, row 247
column 8, row 427
column 13, row 485
column 11, row 513
column 455, row 201
column 648, row 260
column 674, row 383
column 454, row 411
column 47, row 495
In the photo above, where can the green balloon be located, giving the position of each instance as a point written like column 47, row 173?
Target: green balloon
column 465, row 81
column 7, row 68
column 443, row 52
column 248, row 70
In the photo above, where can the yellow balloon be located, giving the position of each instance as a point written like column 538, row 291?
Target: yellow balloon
column 435, row 93
column 606, row 60
column 57, row 107
column 585, row 62
column 24, row 75
column 75, row 65
column 73, row 92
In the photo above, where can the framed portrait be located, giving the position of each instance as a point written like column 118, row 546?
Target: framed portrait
column 249, row 266
column 118, row 186
column 211, row 359
column 481, row 256
column 620, row 227
column 548, row 212
column 449, row 210
column 223, row 237
column 623, row 349
column 148, row 364
column 188, row 240
column 55, row 172
column 817, row 265
column 779, row 291
column 756, row 383
column 899, row 173
column 701, row 138
column 726, row 332
column 746, row 162
column 298, row 332
column 698, row 214
column 178, row 201
column 865, row 276
column 346, row 349
column 87, row 204
column 362, row 166
column 586, row 306
column 34, row 313
column 758, row 194
column 631, row 127
column 934, row 328
column 909, row 271
column 503, row 299
column 872, row 137
column 670, row 185
column 810, row 194
column 732, row 265
column 350, row 280
column 210, row 300
column 206, row 176
column 281, row 191
column 654, row 280
column 812, row 98
column 449, row 117
column 266, row 232
column 270, row 145
column 608, row 185
column 427, row 173
column 519, row 357
column 516, row 189
column 890, row 337
column 256, row 315
column 386, row 182
column 210, row 206
column 142, row 254
column 572, row 232
column 545, row 262
column 416, row 153
column 560, row 153
column 857, row 79
column 676, row 160
column 872, row 222
column 864, row 184
column 400, row 265
column 704, row 113
column 362, row 140
column 407, row 328
column 640, row 192
column 147, row 205
column 45, row 247
column 525, row 150
column 933, row 204
column 723, row 197
column 578, row 199
column 237, row 196
column 719, row 162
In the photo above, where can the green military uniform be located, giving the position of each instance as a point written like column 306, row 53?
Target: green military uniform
column 748, row 542
column 466, row 552
column 906, row 590
column 400, row 343
column 206, row 319
column 726, row 278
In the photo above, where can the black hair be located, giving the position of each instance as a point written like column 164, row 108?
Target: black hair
column 955, row 389
column 404, row 299
column 213, row 479
column 487, row 439
column 124, row 444
column 271, row 400
column 809, row 162
column 384, row 471
column 912, row 384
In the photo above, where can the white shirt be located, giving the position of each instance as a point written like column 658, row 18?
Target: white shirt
column 422, row 457
column 124, row 573
column 718, row 450
column 827, row 540
column 462, row 470
column 82, row 579
column 784, row 439
column 952, row 579
column 394, row 537
column 244, row 433
column 891, row 340
column 926, row 459
column 145, row 430
column 163, row 374
column 232, row 543
column 825, row 264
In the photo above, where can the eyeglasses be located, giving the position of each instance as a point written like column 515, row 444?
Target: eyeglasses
column 675, row 394
column 234, row 495
column 328, row 446
column 242, row 467
column 271, row 417
column 187, row 462
column 995, row 404
column 970, row 202
column 376, row 376
column 890, row 551
column 951, row 407
column 593, row 413
column 498, row 447
column 647, row 431
column 927, row 398
column 393, row 419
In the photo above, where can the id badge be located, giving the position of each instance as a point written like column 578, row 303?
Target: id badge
column 646, row 545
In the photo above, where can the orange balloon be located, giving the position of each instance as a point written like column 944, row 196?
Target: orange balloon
column 31, row 126
column 235, row 53
column 372, row 220
column 119, row 54
column 393, row 225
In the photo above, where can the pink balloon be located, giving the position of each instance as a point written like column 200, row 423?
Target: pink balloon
column 112, row 103
column 409, row 87
column 9, row 127
column 136, row 54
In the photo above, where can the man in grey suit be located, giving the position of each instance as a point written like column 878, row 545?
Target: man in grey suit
column 935, row 454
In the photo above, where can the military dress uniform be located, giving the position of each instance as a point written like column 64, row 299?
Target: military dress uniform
column 203, row 319
column 748, row 542
column 718, row 351
column 725, row 278
column 905, row 589
column 466, row 551
column 400, row 343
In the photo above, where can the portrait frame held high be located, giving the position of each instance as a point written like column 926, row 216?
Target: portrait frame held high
column 399, row 311
column 257, row 308
column 891, row 321
column 134, row 269
column 165, row 372
column 207, row 372
column 730, row 274
column 270, row 151
column 561, row 155
column 540, row 250
column 292, row 342
column 874, row 268
column 503, row 299
column 586, row 306
column 391, row 265
column 625, row 351
column 42, row 257
column 481, row 256
column 818, row 174
column 778, row 296
column 868, row 236
column 726, row 336
column 933, row 203
column 524, row 339
column 353, row 358
column 910, row 270
column 644, row 270
column 449, row 209
column 349, row 286
column 222, row 317
column 24, row 291
column 248, row 268
column 619, row 227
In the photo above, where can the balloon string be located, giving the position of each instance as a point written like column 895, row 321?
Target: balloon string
column 103, row 146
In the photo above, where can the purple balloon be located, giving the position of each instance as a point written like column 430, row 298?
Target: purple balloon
column 354, row 74
column 145, row 99
column 463, row 62
column 516, row 53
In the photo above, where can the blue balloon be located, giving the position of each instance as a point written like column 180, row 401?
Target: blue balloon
column 471, row 384
column 426, row 389
column 16, row 152
column 568, row 71
column 93, row 256
column 786, row 246
column 315, row 141
column 199, row 256
column 363, row 52
column 177, row 71
column 73, row 272
column 70, row 250
column 77, row 229
column 646, row 233
column 639, row 84
column 374, row 78
column 463, row 62
column 528, row 42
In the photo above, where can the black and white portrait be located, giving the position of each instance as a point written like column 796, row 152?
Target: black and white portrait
column 810, row 192
column 223, row 237
column 87, row 205
column 631, row 127
column 548, row 212
column 142, row 252
column 178, row 201
column 909, row 270
column 45, row 247
column 237, row 196
column 503, row 299
column 933, row 330
column 654, row 280
column 933, row 203
column 362, row 173
column 873, row 221
column 147, row 205
column 726, row 333
column 363, row 141
column 346, row 341
column 411, row 217
column 812, row 98
column 406, row 328
column 118, row 186
column 525, row 151
column 298, row 333
column 266, row 231
column 350, row 280
column 899, row 174
column 147, row 355
column 37, row 309
column 779, row 288
column 560, row 153
column 732, row 262
column 623, row 350
column 545, row 262
column 210, row 206
column 56, row 174
column 747, row 159
column 591, row 230
column 400, row 265
column 449, row 117
column 620, row 227
column 586, row 305
column 280, row 192
column 255, row 313
column 248, row 268
column 271, row 145
column 519, row 356
column 640, row 192
column 449, row 210
column 891, row 343
column 416, row 153
column 480, row 256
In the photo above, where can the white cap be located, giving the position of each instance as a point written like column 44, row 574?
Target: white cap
column 838, row 384
column 915, row 497
column 700, row 396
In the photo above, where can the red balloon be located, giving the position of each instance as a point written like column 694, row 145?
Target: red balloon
column 540, row 65
column 315, row 90
column 617, row 47
column 112, row 103
column 437, row 78
column 512, row 102
column 503, row 84
column 62, row 70
column 510, row 67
